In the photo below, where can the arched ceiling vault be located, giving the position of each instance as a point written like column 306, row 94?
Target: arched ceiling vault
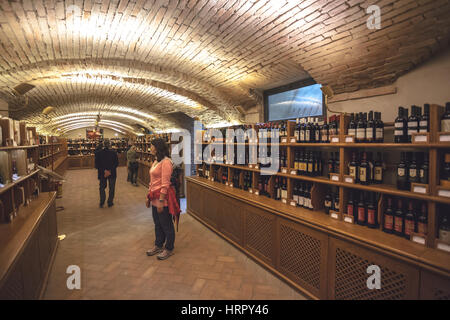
column 158, row 56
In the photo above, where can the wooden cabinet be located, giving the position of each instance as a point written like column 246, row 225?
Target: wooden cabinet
column 27, row 248
column 231, row 219
column 433, row 286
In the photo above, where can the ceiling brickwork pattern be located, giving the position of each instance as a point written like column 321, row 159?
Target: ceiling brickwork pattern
column 205, row 56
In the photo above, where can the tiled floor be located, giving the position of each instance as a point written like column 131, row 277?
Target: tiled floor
column 109, row 246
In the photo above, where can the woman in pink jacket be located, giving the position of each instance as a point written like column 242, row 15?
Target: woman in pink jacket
column 160, row 174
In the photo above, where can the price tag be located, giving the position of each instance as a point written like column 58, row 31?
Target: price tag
column 293, row 140
column 419, row 189
column 348, row 219
column 420, row 138
column 349, row 140
column 335, row 178
column 444, row 193
column 444, row 138
column 335, row 140
column 294, row 172
column 418, row 239
column 250, row 190
column 293, row 203
column 250, row 166
column 283, row 140
column 231, row 185
column 1, row 185
column 334, row 215
column 284, row 170
column 284, row 200
column 257, row 193
column 443, row 246
column 349, row 180
column 226, row 183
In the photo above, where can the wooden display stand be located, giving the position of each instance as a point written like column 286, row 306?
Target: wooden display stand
column 334, row 240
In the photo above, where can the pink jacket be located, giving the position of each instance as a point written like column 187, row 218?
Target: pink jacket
column 160, row 174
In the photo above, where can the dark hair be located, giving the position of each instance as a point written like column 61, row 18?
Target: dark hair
column 162, row 149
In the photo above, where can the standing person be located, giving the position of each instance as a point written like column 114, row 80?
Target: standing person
column 133, row 165
column 106, row 162
column 162, row 197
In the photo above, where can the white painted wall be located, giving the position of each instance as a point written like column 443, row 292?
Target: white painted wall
column 429, row 83
column 107, row 133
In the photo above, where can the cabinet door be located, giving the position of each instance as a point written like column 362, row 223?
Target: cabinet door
column 434, row 287
column 44, row 243
column 195, row 199
column 259, row 233
column 31, row 268
column 302, row 255
column 348, row 274
column 211, row 207
column 13, row 289
column 231, row 219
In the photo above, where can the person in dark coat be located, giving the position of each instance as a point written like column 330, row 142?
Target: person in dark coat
column 106, row 162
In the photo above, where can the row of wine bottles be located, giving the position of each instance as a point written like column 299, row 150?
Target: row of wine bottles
column 406, row 125
column 310, row 130
column 364, row 170
column 366, row 127
column 412, row 168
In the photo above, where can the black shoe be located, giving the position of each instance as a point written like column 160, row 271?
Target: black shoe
column 101, row 205
column 110, row 204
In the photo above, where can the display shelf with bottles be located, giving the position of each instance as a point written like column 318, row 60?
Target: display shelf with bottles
column 414, row 172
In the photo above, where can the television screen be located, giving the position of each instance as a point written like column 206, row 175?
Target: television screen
column 297, row 103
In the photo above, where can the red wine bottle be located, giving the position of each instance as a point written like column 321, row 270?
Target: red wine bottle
column 399, row 220
column 372, row 212
column 361, row 207
column 388, row 218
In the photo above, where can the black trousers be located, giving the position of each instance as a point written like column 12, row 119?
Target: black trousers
column 112, row 186
column 133, row 171
column 164, row 230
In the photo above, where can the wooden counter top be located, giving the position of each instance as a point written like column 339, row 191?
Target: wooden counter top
column 395, row 246
column 13, row 236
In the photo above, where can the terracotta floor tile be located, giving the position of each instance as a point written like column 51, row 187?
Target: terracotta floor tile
column 109, row 245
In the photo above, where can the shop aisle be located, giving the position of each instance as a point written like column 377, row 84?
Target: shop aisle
column 109, row 245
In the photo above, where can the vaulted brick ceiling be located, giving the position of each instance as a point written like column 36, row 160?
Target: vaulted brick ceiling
column 134, row 61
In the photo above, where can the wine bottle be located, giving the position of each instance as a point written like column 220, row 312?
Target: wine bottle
column 364, row 168
column 310, row 165
column 379, row 131
column 302, row 130
column 444, row 229
column 400, row 124
column 399, row 219
column 351, row 207
column 353, row 168
column 325, row 134
column 372, row 211
column 446, row 171
column 445, row 119
column 301, row 195
column 337, row 163
column 422, row 220
column 284, row 188
column 370, row 129
column 424, row 121
column 413, row 123
column 352, row 126
column 308, row 132
column 297, row 130
column 336, row 201
column 410, row 220
column 361, row 210
column 413, row 176
column 360, row 129
column 317, row 132
column 330, row 165
column 402, row 173
column 378, row 170
column 388, row 218
column 328, row 201
column 295, row 193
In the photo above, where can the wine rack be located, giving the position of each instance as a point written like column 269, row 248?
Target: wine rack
column 435, row 192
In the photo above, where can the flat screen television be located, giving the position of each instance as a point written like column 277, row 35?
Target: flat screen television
column 297, row 100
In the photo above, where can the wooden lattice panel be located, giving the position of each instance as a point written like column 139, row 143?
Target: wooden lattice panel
column 231, row 222
column 300, row 255
column 194, row 199
column 13, row 288
column 259, row 231
column 211, row 209
column 349, row 275
column 434, row 287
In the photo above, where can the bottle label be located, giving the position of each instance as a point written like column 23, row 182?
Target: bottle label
column 399, row 125
column 379, row 133
column 324, row 135
column 388, row 222
column 295, row 198
column 378, row 174
column 296, row 166
column 401, row 172
column 336, row 205
column 422, row 228
column 412, row 173
column 421, row 173
column 352, row 132
column 352, row 171
column 350, row 209
column 317, row 135
column 398, row 224
column 409, row 227
column 369, row 133
column 297, row 135
column 308, row 135
column 303, row 166
column 328, row 203
column 302, row 135
column 362, row 174
column 423, row 124
column 411, row 131
column 361, row 133
column 284, row 194
column 361, row 214
column 445, row 125
column 310, row 167
column 371, row 216
column 412, row 124
column 444, row 235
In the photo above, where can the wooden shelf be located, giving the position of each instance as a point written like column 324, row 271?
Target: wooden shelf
column 21, row 179
column 430, row 258
column 17, row 148
column 14, row 235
